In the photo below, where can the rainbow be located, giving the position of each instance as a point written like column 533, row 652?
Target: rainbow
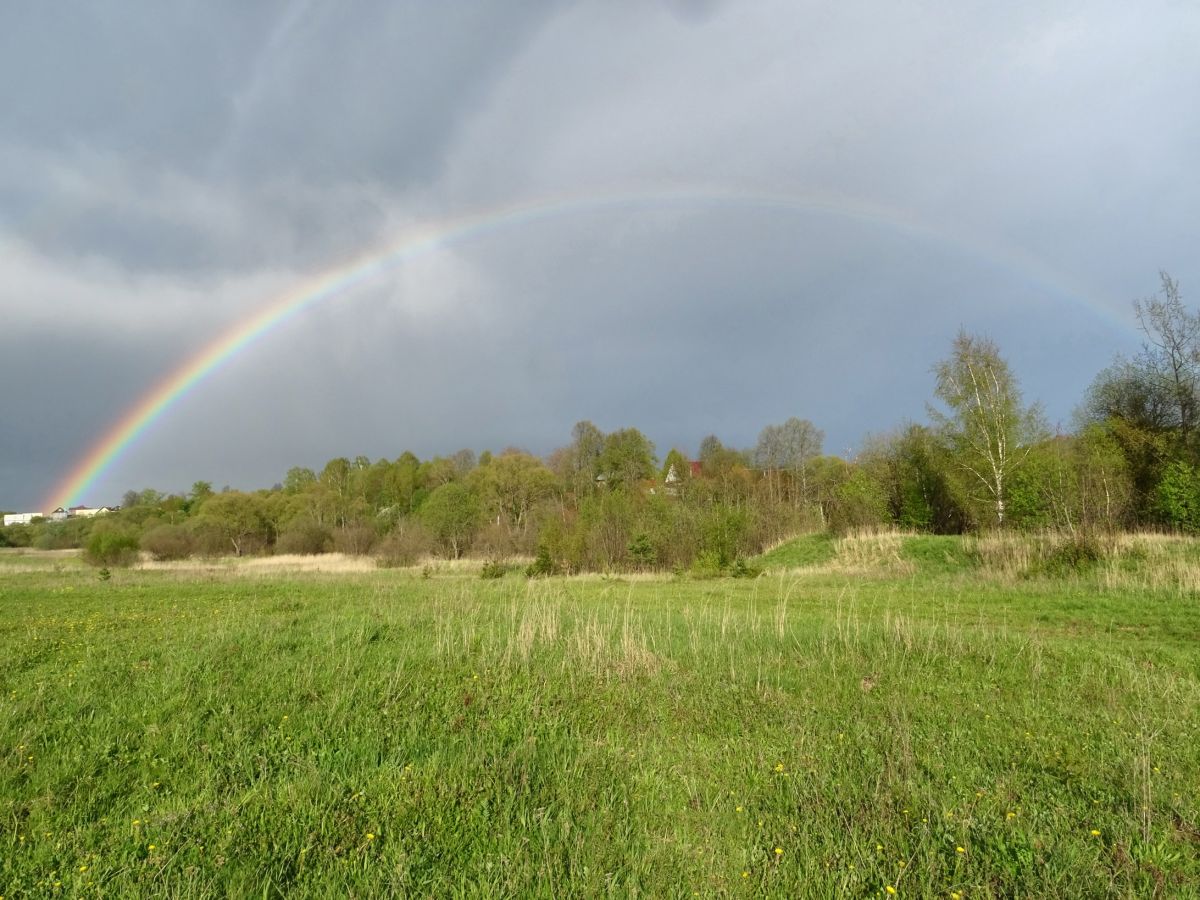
column 430, row 236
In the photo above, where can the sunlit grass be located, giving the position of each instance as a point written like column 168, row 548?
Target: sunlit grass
column 360, row 734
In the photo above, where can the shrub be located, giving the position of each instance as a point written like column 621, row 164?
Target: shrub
column 1178, row 497
column 743, row 569
column 405, row 546
column 16, row 536
column 642, row 552
column 1077, row 556
column 356, row 540
column 493, row 568
column 306, row 538
column 707, row 564
column 207, row 538
column 543, row 564
column 111, row 548
column 167, row 542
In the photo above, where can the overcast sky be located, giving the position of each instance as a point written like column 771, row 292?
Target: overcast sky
column 781, row 209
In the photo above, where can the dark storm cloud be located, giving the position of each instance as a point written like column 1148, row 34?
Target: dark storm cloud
column 167, row 169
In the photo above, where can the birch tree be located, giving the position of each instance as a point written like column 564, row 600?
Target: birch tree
column 988, row 430
column 1171, row 355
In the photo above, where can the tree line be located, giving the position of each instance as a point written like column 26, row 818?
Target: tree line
column 607, row 501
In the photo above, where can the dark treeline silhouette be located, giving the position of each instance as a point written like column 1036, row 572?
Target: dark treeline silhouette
column 607, row 501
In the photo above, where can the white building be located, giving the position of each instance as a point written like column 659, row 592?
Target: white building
column 20, row 518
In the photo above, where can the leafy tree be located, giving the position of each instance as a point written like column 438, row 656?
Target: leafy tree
column 452, row 513
column 298, row 479
column 627, row 458
column 1171, row 354
column 511, row 485
column 919, row 480
column 790, row 447
column 240, row 519
column 580, row 461
column 988, row 429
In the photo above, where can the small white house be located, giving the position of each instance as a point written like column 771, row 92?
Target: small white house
column 20, row 518
column 86, row 512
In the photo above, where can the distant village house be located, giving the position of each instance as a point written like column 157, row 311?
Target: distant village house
column 57, row 515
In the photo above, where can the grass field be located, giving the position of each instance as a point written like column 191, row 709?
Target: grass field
column 866, row 718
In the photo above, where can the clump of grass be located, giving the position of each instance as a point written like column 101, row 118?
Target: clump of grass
column 493, row 568
column 1076, row 555
column 872, row 551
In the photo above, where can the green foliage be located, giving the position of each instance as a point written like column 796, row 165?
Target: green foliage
column 111, row 547
column 543, row 564
column 238, row 521
column 987, row 427
column 1077, row 556
column 493, row 569
column 707, row 564
column 1179, row 497
column 511, row 486
column 63, row 535
column 642, row 552
column 453, row 515
column 725, row 535
column 677, row 461
column 859, row 501
column 627, row 458
column 16, row 536
column 742, row 569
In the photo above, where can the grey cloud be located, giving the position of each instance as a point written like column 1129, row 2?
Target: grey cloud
column 166, row 170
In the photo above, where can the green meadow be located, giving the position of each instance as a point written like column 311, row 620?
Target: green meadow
column 923, row 717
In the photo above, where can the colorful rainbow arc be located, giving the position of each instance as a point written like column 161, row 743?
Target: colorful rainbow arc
column 152, row 405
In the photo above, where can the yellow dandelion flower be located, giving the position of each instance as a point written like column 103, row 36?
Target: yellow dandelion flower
column 370, row 836
column 83, row 868
column 745, row 874
column 955, row 895
column 1095, row 832
column 741, row 809
column 959, row 850
column 890, row 889
column 779, row 767
column 779, row 851
column 153, row 847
